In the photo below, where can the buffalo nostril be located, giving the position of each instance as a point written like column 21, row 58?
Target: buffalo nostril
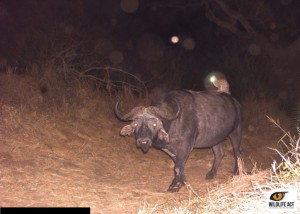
column 143, row 142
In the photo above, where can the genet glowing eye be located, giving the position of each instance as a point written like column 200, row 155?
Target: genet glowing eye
column 135, row 124
column 154, row 124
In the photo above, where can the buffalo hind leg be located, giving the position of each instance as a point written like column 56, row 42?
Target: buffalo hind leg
column 219, row 154
column 235, row 138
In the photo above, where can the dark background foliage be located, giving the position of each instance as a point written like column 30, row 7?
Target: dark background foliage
column 255, row 44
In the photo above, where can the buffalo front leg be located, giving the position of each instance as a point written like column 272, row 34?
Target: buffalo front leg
column 179, row 177
column 219, row 154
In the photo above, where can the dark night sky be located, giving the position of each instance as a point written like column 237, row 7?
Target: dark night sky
column 229, row 36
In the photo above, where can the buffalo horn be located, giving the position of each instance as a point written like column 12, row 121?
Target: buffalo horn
column 164, row 114
column 129, row 116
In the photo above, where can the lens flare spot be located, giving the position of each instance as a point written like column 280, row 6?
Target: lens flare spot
column 129, row 6
column 273, row 26
column 68, row 29
column 254, row 49
column 286, row 2
column 189, row 44
column 213, row 78
column 116, row 57
column 174, row 39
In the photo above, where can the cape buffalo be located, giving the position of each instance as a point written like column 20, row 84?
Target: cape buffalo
column 179, row 121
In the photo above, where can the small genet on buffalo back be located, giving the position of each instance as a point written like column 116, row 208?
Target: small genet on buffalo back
column 179, row 121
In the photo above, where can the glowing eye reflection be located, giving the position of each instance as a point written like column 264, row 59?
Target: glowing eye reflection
column 154, row 124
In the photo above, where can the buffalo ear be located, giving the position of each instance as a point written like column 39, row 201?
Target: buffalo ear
column 163, row 135
column 127, row 130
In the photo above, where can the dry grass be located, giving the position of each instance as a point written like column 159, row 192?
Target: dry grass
column 289, row 166
column 60, row 147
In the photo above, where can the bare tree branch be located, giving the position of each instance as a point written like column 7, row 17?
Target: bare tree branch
column 236, row 16
column 229, row 25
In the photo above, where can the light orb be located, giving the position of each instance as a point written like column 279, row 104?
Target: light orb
column 174, row 39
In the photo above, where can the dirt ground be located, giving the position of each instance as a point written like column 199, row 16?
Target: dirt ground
column 48, row 160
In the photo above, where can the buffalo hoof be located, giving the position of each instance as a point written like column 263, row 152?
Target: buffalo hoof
column 210, row 175
column 236, row 172
column 175, row 187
